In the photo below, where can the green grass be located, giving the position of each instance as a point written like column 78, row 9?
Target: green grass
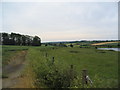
column 10, row 51
column 4, row 76
column 88, row 44
column 114, row 45
column 102, row 66
column 111, row 45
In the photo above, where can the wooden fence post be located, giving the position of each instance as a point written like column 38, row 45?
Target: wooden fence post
column 53, row 59
column 71, row 66
column 71, row 75
column 46, row 54
column 84, row 79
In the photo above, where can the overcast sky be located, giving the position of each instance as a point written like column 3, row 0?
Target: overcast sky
column 62, row 21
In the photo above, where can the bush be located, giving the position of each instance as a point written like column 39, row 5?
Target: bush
column 71, row 45
column 53, row 77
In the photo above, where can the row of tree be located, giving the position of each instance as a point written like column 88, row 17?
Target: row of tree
column 18, row 39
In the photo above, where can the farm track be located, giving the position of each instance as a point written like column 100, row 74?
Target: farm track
column 13, row 70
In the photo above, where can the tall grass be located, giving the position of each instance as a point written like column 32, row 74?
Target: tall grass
column 102, row 67
column 9, row 52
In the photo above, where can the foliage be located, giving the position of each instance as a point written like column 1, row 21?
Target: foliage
column 62, row 45
column 71, row 45
column 58, row 74
column 102, row 67
column 36, row 41
column 18, row 39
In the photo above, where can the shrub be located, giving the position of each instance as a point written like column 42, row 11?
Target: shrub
column 52, row 76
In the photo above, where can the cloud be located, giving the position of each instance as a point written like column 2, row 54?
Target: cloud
column 0, row 16
column 60, row 0
column 62, row 21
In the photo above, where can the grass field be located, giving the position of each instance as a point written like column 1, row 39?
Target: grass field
column 51, row 65
column 9, row 51
column 108, row 43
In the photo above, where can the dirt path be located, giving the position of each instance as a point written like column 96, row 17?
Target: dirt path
column 13, row 70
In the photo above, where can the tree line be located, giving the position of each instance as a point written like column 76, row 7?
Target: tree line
column 19, row 39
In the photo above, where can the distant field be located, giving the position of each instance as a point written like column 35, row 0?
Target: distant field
column 105, row 43
column 95, row 44
column 102, row 66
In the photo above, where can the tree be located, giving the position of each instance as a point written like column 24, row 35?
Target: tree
column 18, row 39
column 62, row 45
column 71, row 45
column 5, row 39
column 36, row 41
column 23, row 40
column 12, row 39
column 45, row 44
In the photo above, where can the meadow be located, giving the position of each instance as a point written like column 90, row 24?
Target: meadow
column 56, row 67
column 9, row 51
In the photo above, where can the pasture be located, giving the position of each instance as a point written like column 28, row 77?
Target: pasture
column 9, row 51
column 51, row 66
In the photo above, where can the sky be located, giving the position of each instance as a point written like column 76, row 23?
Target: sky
column 61, row 21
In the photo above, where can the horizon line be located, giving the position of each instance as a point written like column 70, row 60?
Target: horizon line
column 80, row 40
